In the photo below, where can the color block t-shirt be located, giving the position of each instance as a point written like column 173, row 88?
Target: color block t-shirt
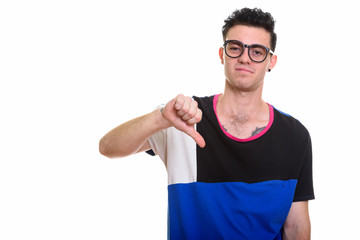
column 234, row 188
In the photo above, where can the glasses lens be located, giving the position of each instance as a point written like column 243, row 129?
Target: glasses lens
column 257, row 53
column 234, row 49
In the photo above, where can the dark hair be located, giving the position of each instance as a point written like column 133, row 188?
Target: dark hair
column 254, row 18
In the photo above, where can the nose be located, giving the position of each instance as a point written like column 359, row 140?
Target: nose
column 244, row 58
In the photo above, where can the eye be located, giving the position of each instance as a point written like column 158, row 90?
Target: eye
column 258, row 51
column 233, row 47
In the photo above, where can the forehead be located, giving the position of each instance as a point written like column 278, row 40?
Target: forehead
column 249, row 35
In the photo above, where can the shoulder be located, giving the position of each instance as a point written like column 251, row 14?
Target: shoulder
column 290, row 124
column 205, row 103
column 204, row 100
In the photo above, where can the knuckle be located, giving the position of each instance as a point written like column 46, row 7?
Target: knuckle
column 190, row 122
column 179, row 96
column 199, row 115
column 179, row 101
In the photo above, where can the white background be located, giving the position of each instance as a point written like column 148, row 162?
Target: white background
column 71, row 70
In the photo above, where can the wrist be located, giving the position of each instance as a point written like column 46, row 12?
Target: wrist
column 160, row 121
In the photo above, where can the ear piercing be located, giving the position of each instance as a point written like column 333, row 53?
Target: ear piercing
column 269, row 70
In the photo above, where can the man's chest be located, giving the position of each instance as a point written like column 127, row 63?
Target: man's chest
column 242, row 130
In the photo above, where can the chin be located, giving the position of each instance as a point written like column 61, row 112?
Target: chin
column 244, row 85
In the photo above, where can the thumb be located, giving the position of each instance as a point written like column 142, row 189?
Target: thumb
column 196, row 136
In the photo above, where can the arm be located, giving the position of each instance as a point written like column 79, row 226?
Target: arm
column 297, row 224
column 131, row 137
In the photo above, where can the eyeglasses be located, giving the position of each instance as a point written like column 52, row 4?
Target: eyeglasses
column 257, row 52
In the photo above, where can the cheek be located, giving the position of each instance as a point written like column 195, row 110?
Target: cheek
column 227, row 68
column 262, row 69
column 261, row 73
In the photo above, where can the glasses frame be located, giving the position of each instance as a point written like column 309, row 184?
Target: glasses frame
column 268, row 50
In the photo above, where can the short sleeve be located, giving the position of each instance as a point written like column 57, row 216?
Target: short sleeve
column 304, row 189
column 158, row 143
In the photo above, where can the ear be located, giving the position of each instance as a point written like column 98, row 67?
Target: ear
column 221, row 54
column 272, row 62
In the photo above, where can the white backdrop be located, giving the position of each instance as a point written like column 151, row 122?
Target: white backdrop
column 71, row 70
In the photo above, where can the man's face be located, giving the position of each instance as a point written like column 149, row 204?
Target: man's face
column 242, row 73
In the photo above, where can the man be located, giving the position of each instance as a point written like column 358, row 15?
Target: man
column 237, row 167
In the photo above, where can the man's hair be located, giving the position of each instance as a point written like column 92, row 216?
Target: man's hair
column 253, row 18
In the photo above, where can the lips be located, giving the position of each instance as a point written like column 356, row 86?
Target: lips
column 244, row 70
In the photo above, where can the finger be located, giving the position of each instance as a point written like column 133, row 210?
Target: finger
column 185, row 107
column 196, row 119
column 192, row 112
column 179, row 101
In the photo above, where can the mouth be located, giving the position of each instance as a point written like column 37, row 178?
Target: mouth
column 243, row 70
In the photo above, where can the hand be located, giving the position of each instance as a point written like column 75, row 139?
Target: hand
column 183, row 113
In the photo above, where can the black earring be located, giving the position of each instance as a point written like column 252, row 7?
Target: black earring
column 269, row 70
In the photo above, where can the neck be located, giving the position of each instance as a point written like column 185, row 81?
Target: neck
column 246, row 105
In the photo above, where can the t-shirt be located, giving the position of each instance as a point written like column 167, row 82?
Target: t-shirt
column 234, row 188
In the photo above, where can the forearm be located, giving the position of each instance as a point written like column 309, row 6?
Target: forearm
column 300, row 231
column 129, row 137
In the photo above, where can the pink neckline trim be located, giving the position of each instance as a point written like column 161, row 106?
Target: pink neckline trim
column 271, row 120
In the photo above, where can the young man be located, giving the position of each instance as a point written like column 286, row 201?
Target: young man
column 237, row 167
